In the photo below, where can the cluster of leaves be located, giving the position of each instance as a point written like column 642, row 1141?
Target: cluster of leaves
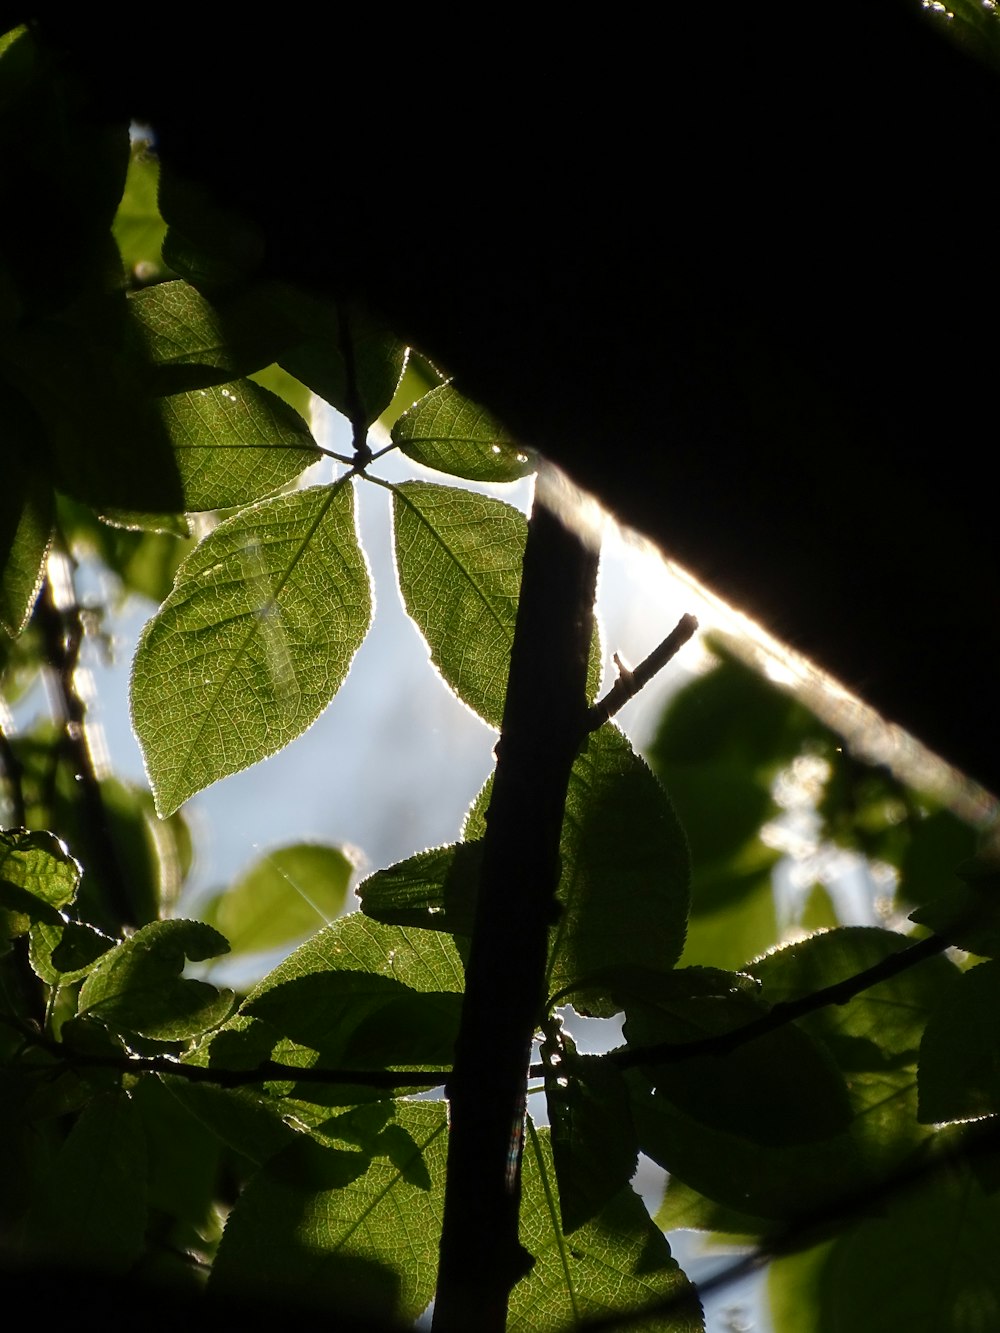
column 272, row 1142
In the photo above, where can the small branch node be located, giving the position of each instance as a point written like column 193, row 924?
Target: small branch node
column 629, row 683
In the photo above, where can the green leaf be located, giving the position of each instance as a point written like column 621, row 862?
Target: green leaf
column 253, row 642
column 344, row 355
column 84, row 382
column 234, row 444
column 145, row 562
column 787, row 1183
column 960, row 1052
column 361, row 1020
column 139, row 987
column 206, row 243
column 37, row 873
column 926, row 1263
column 183, row 1159
column 882, row 1025
column 26, row 515
column 733, row 713
column 721, row 742
column 625, row 872
column 190, row 342
column 446, row 432
column 968, row 912
column 435, row 889
column 138, row 227
column 357, row 995
column 90, row 1211
column 742, row 923
column 936, row 856
column 63, row 953
column 458, row 556
column 336, row 351
column 873, row 1039
column 284, row 896
column 352, row 1228
column 594, row 1145
column 414, row 958
column 623, row 890
column 684, row 1209
column 618, row 1261
column 244, row 1119
column 781, row 1089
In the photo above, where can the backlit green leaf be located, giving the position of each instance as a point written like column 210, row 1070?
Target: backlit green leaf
column 874, row 1045
column 351, row 1225
column 138, row 227
column 684, row 1209
column 357, row 995
column 435, row 889
column 620, row 1260
column 287, row 894
column 26, row 516
column 234, row 444
column 66, row 952
column 458, row 556
column 960, row 1052
column 253, row 642
column 623, row 890
column 625, row 871
column 887, row 1020
column 188, row 341
column 446, row 432
column 139, row 988
column 36, row 866
column 180, row 329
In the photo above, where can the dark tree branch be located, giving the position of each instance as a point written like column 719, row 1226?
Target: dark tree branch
column 543, row 726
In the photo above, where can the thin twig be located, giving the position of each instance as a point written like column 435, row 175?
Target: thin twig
column 629, row 683
column 267, row 1071
column 786, row 1011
